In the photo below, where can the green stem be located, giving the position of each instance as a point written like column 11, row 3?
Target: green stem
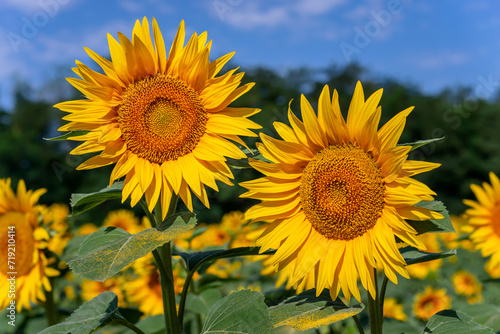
column 373, row 310
column 163, row 258
column 185, row 289
column 129, row 325
column 381, row 299
column 151, row 218
column 358, row 324
column 50, row 306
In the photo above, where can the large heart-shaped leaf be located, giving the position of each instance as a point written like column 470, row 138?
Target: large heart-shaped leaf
column 242, row 312
column 454, row 322
column 110, row 249
column 306, row 311
column 92, row 315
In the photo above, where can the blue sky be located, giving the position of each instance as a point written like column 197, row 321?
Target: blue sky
column 434, row 44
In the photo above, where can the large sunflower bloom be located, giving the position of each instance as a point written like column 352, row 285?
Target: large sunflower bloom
column 430, row 302
column 337, row 194
column 484, row 217
column 19, row 218
column 163, row 120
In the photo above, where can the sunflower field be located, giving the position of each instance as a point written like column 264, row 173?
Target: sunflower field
column 170, row 191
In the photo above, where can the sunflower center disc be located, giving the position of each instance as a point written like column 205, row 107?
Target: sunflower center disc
column 342, row 192
column 161, row 118
column 21, row 252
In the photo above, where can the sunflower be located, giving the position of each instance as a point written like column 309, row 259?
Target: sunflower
column 233, row 221
column 91, row 289
column 163, row 120
column 484, row 218
column 430, row 302
column 19, row 215
column 394, row 310
column 55, row 220
column 452, row 239
column 55, row 216
column 124, row 219
column 492, row 269
column 337, row 194
column 225, row 268
column 466, row 284
column 423, row 269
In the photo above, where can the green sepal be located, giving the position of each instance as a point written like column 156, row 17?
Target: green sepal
column 70, row 134
column 420, row 143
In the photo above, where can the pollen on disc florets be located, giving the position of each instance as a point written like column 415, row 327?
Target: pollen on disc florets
column 161, row 118
column 342, row 192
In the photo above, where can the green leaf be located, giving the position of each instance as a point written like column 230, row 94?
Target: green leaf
column 454, row 322
column 306, row 311
column 72, row 247
column 187, row 217
column 69, row 134
column 420, row 143
column 396, row 326
column 413, row 255
column 242, row 312
column 110, row 249
column 485, row 314
column 238, row 163
column 195, row 260
column 203, row 302
column 250, row 152
column 243, row 163
column 83, row 202
column 434, row 225
column 197, row 232
column 91, row 316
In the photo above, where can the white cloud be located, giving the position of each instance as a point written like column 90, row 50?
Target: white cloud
column 31, row 6
column 131, row 6
column 441, row 59
column 359, row 12
column 137, row 7
column 317, row 6
column 251, row 14
column 12, row 61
